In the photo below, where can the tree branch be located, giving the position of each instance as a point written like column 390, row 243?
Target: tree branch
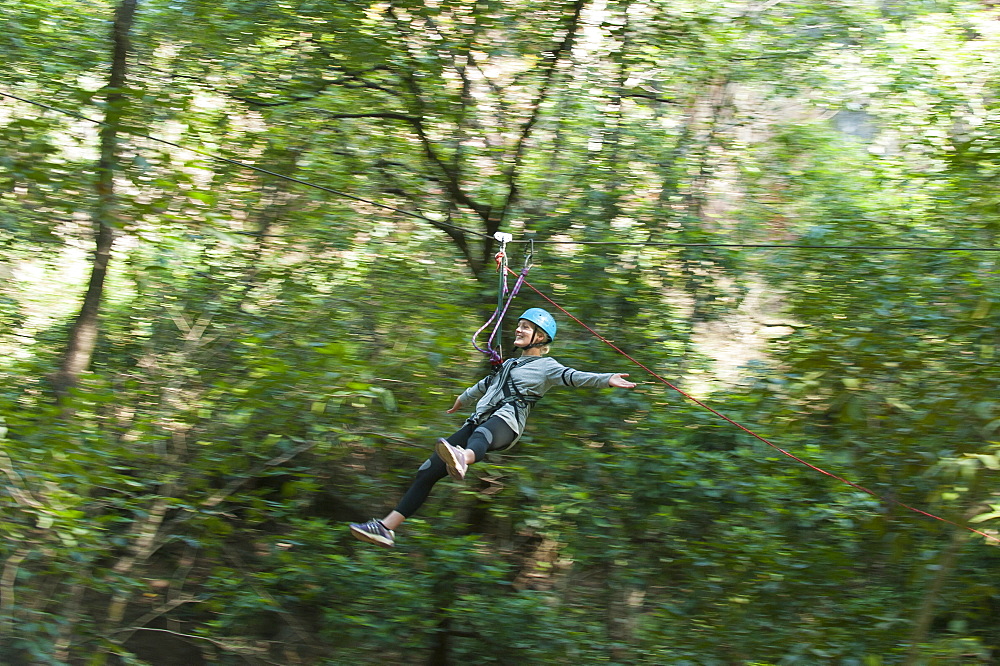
column 22, row 497
column 229, row 646
column 7, row 595
column 236, row 484
column 548, row 76
column 150, row 616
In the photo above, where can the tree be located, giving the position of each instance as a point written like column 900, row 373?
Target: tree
column 83, row 334
column 273, row 358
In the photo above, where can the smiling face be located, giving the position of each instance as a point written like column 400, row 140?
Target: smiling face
column 527, row 333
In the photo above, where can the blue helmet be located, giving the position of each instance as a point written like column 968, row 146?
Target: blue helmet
column 543, row 320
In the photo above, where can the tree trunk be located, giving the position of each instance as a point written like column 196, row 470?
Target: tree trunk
column 83, row 334
column 925, row 614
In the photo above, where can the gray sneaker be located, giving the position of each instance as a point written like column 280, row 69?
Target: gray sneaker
column 453, row 457
column 374, row 532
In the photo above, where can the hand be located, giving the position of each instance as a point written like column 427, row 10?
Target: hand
column 457, row 406
column 619, row 381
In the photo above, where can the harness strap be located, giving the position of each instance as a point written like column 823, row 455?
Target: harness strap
column 511, row 393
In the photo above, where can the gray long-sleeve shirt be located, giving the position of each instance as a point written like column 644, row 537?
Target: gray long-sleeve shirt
column 533, row 377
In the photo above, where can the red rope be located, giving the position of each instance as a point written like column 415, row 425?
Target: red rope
column 751, row 432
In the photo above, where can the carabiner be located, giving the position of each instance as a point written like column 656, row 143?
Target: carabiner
column 529, row 254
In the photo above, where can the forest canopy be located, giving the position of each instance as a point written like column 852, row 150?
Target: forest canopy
column 244, row 247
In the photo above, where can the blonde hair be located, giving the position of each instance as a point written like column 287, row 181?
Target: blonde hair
column 536, row 329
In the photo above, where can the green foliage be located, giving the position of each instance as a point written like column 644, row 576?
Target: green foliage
column 275, row 360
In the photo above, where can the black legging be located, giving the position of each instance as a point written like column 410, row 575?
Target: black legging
column 491, row 435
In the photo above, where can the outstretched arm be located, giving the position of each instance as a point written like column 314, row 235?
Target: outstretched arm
column 619, row 381
column 472, row 394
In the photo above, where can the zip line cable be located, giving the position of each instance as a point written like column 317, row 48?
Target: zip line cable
column 789, row 246
column 471, row 232
column 747, row 430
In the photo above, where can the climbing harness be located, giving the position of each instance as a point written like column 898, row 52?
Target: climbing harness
column 509, row 389
column 888, row 500
column 505, row 296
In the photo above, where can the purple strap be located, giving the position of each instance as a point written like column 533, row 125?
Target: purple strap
column 497, row 317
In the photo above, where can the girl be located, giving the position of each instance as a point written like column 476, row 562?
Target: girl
column 502, row 401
